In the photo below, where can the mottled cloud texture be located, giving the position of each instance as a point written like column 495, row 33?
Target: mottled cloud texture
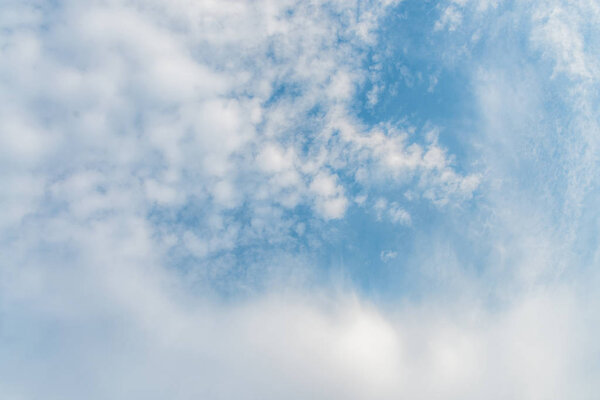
column 299, row 199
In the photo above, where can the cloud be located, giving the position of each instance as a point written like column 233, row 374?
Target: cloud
column 125, row 329
column 180, row 179
column 169, row 107
column 388, row 255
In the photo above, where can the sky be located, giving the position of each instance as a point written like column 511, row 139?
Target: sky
column 299, row 199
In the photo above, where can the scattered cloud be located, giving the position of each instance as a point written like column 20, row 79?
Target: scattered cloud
column 207, row 192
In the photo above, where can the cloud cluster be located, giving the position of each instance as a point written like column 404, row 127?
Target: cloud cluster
column 172, row 169
column 169, row 107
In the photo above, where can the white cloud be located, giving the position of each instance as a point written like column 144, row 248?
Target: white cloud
column 450, row 19
column 556, row 32
column 129, row 329
column 329, row 195
column 274, row 159
column 388, row 255
column 133, row 133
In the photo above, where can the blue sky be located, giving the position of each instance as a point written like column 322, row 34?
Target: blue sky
column 299, row 199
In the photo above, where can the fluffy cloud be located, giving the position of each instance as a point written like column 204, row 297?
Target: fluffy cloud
column 176, row 173
column 223, row 105
column 127, row 330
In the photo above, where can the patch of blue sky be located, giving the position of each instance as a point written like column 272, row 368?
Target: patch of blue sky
column 418, row 88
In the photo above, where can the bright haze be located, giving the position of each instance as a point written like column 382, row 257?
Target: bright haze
column 299, row 199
